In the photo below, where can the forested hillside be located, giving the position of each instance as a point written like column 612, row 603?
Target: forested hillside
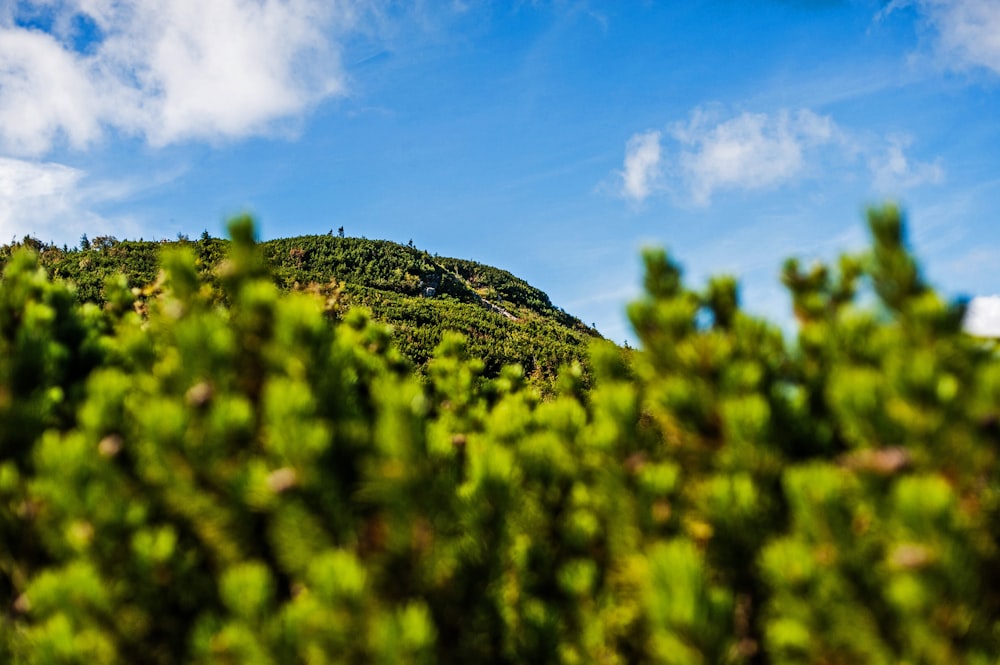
column 213, row 472
column 506, row 321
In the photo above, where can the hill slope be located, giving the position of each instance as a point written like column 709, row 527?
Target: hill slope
column 505, row 319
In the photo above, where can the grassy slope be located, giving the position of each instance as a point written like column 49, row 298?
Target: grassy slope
column 504, row 318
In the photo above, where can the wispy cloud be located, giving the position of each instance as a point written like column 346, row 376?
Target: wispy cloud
column 967, row 32
column 750, row 151
column 893, row 171
column 49, row 200
column 166, row 71
column 711, row 153
column 29, row 191
column 642, row 166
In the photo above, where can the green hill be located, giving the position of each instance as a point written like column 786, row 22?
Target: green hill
column 506, row 320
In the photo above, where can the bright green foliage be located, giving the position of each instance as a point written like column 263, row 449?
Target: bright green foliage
column 212, row 470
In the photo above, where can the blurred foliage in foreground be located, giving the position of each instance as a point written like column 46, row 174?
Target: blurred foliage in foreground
column 186, row 482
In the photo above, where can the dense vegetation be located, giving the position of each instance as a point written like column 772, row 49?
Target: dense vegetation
column 184, row 482
column 505, row 320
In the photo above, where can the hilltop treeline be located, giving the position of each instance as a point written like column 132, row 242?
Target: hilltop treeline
column 187, row 482
column 506, row 320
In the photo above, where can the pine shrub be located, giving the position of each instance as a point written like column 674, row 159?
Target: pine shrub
column 210, row 470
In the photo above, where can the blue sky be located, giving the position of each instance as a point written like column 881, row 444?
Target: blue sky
column 550, row 138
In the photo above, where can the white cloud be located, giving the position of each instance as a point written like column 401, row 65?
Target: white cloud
column 642, row 166
column 34, row 193
column 711, row 153
column 52, row 201
column 750, row 151
column 968, row 31
column 892, row 171
column 45, row 92
column 167, row 71
column 983, row 317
